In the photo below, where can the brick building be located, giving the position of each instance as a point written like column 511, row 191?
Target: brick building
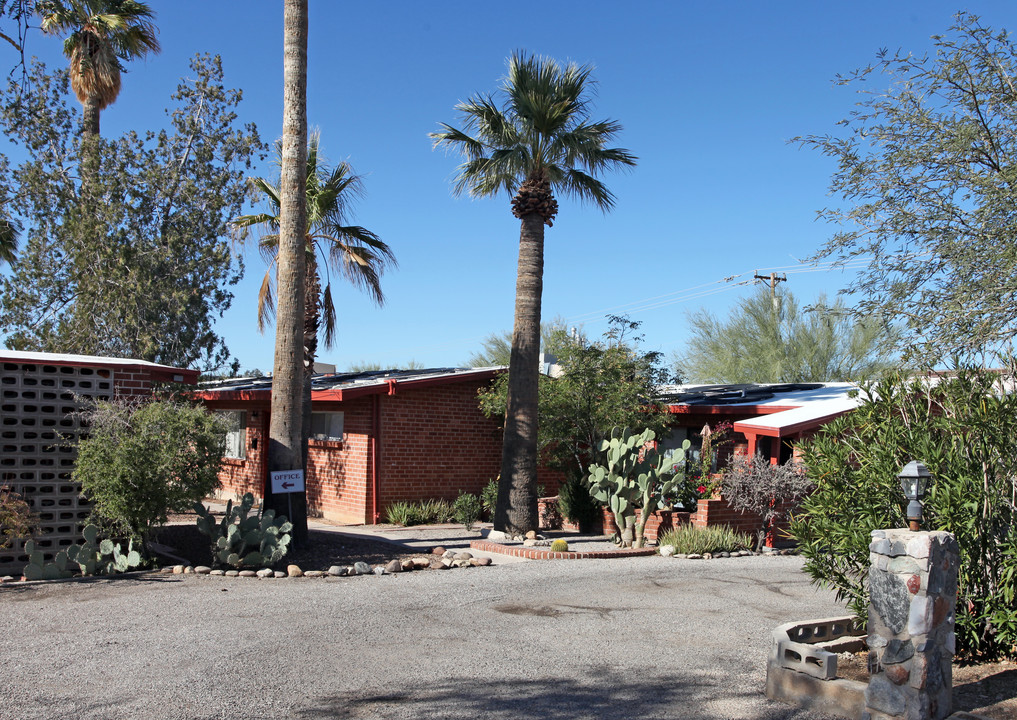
column 376, row 438
column 39, row 394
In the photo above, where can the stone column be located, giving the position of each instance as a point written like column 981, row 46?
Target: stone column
column 913, row 594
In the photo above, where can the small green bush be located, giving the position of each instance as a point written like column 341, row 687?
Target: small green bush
column 688, row 539
column 140, row 462
column 577, row 505
column 489, row 497
column 467, row 509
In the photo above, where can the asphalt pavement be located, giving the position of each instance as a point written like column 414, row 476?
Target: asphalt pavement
column 644, row 637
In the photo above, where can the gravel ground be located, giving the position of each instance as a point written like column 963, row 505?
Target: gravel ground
column 636, row 638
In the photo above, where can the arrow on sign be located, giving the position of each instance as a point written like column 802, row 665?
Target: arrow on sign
column 287, row 485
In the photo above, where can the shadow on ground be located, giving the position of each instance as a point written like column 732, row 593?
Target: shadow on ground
column 605, row 694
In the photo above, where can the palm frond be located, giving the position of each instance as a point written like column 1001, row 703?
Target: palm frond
column 586, row 188
column 541, row 126
column 328, row 323
column 266, row 303
column 9, row 231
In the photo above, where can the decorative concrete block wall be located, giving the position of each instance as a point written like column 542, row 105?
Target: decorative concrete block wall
column 37, row 432
column 39, row 396
column 913, row 594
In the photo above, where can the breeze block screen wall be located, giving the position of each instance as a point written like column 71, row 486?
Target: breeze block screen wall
column 39, row 396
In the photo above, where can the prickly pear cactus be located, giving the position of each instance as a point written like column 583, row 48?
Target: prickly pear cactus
column 95, row 557
column 38, row 569
column 242, row 539
column 634, row 475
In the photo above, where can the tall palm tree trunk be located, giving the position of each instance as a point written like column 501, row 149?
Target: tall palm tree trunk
column 90, row 118
column 285, row 451
column 516, row 509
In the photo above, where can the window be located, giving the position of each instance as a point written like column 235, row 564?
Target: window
column 236, row 435
column 327, row 425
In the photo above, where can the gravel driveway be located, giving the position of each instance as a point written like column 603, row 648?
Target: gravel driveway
column 638, row 638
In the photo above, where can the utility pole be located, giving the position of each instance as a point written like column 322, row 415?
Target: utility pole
column 773, row 282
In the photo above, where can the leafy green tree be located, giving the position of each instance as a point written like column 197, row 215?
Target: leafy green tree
column 605, row 384
column 965, row 430
column 771, row 339
column 926, row 170
column 533, row 140
column 497, row 347
column 144, row 271
column 141, row 462
column 104, row 34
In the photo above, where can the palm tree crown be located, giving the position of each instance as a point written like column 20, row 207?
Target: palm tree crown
column 355, row 253
column 540, row 133
column 103, row 35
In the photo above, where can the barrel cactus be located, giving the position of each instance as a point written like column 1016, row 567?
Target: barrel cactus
column 559, row 545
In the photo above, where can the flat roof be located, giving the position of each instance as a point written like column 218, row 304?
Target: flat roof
column 69, row 359
column 344, row 386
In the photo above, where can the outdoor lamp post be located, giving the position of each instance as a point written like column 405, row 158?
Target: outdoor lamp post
column 914, row 478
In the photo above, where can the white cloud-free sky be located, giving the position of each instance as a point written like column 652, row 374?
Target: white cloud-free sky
column 709, row 93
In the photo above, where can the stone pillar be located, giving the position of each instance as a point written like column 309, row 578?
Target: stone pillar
column 913, row 594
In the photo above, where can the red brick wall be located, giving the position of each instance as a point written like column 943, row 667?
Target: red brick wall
column 338, row 472
column 434, row 443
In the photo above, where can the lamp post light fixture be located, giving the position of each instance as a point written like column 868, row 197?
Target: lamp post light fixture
column 914, row 479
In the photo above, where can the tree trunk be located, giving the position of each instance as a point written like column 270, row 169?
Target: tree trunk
column 285, row 451
column 516, row 509
column 90, row 118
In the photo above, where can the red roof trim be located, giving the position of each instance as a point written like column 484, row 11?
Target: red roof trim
column 339, row 394
column 681, row 409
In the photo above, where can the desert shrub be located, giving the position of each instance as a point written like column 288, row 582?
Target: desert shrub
column 141, row 462
column 425, row 512
column 17, row 521
column 467, row 509
column 965, row 431
column 752, row 485
column 688, row 539
column 400, row 513
column 577, row 505
column 437, row 510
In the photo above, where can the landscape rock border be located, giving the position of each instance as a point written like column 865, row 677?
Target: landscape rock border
column 439, row 559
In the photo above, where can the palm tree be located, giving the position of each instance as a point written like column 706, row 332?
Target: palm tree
column 354, row 253
column 103, row 35
column 287, row 442
column 539, row 140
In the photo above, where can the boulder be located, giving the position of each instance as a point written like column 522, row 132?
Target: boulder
column 394, row 566
column 362, row 568
column 294, row 571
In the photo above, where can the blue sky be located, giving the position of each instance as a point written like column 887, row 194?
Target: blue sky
column 708, row 93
